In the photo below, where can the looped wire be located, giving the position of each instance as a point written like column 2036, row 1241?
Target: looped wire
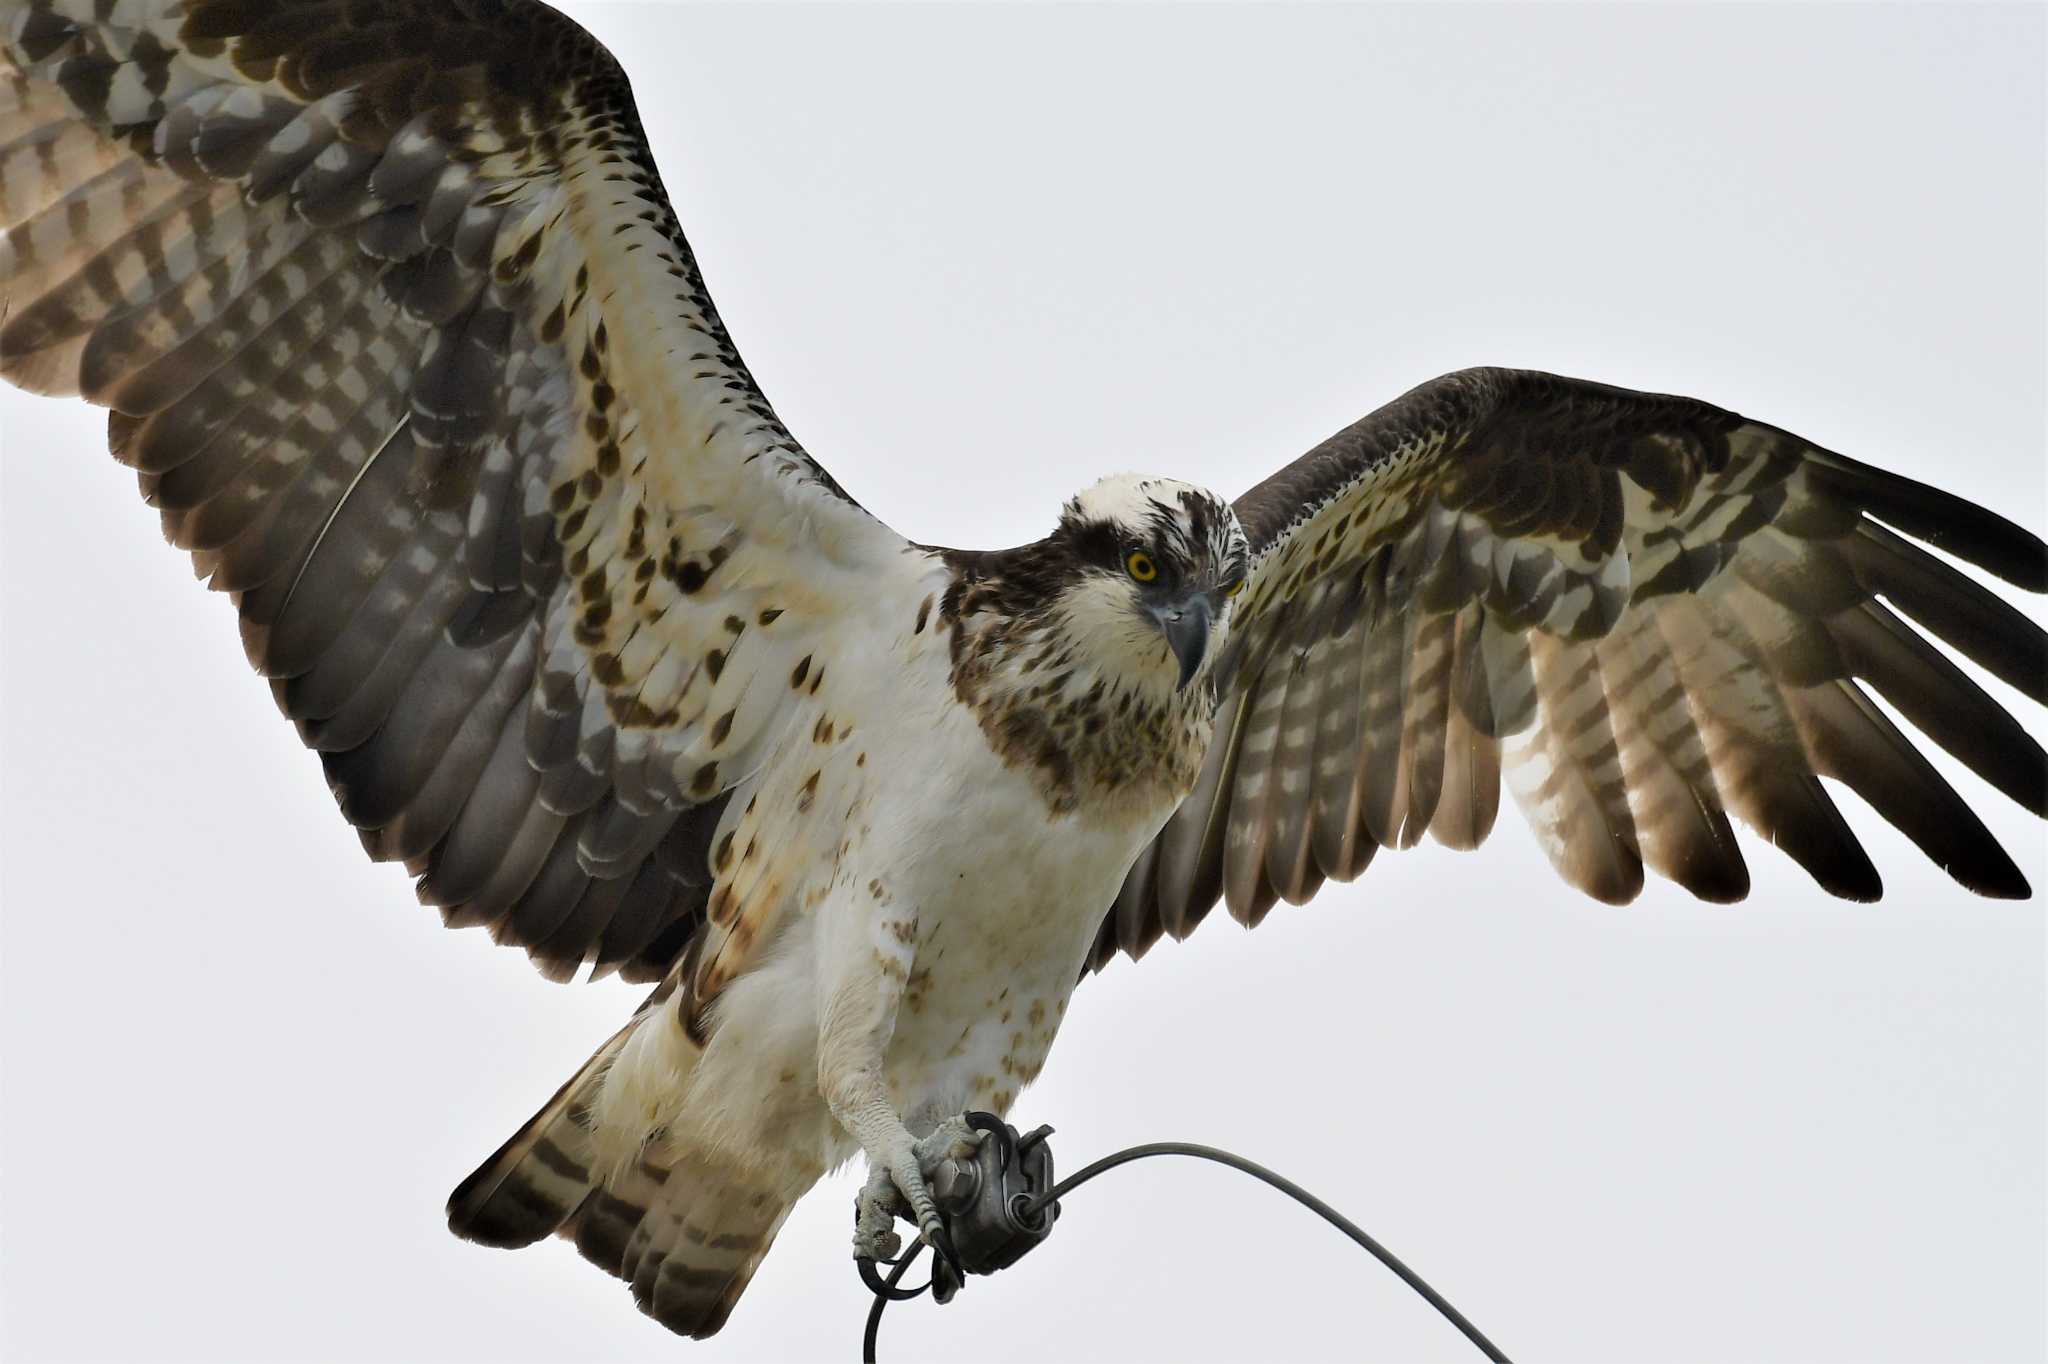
column 886, row 1291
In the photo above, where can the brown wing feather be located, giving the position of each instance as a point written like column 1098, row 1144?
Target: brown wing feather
column 383, row 299
column 1646, row 611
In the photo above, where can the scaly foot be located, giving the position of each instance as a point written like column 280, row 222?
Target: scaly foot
column 875, row 1209
column 897, row 1186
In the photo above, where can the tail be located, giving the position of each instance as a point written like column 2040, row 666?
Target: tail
column 536, row 1181
column 686, row 1230
column 687, row 1238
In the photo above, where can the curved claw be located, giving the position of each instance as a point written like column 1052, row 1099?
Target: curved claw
column 935, row 1235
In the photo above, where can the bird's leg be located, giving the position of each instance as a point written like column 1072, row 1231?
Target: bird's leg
column 865, row 960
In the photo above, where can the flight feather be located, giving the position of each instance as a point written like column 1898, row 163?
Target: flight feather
column 401, row 335
column 1641, row 613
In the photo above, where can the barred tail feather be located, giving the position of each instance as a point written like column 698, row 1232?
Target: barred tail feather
column 686, row 1233
column 533, row 1184
column 684, row 1227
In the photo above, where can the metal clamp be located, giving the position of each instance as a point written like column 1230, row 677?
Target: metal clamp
column 991, row 1203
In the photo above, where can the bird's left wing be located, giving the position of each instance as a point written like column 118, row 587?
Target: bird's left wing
column 1643, row 611
column 397, row 325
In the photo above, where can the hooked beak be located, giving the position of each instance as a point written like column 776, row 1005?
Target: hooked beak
column 1185, row 623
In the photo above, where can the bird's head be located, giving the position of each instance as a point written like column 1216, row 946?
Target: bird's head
column 1152, row 569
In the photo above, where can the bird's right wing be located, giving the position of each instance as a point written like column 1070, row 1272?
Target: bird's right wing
column 396, row 323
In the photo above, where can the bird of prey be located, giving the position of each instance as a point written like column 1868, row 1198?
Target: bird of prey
column 394, row 320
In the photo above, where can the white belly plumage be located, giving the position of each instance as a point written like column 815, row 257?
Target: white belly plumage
column 985, row 901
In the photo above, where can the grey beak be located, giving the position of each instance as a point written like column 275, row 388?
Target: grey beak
column 1186, row 626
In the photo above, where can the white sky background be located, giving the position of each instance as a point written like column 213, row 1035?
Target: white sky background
column 978, row 257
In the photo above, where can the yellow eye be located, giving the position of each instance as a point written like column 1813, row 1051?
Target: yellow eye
column 1140, row 566
column 1234, row 588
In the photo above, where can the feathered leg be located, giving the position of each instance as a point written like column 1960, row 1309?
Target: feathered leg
column 864, row 963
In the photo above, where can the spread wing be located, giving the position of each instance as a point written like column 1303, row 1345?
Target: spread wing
column 1645, row 613
column 395, row 322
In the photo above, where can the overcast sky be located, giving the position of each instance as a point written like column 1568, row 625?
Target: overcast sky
column 978, row 257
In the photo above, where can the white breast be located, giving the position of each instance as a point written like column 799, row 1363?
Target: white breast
column 1006, row 899
column 1009, row 898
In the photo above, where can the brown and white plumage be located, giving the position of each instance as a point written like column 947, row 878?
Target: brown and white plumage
column 405, row 344
column 372, row 299
column 1643, row 613
column 398, row 326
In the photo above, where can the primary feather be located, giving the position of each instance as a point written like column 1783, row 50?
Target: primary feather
column 1657, row 612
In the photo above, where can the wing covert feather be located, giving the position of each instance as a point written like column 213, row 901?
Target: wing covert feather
column 1647, row 613
column 400, row 334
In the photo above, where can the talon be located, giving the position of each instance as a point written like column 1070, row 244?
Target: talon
column 935, row 1236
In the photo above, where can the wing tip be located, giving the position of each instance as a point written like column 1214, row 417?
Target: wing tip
column 1952, row 524
column 1717, row 883
column 1994, row 880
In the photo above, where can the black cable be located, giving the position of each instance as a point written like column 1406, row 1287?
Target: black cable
column 886, row 1289
column 1299, row 1195
column 884, row 1295
column 1235, row 1162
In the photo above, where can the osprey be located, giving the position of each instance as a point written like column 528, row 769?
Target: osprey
column 394, row 319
